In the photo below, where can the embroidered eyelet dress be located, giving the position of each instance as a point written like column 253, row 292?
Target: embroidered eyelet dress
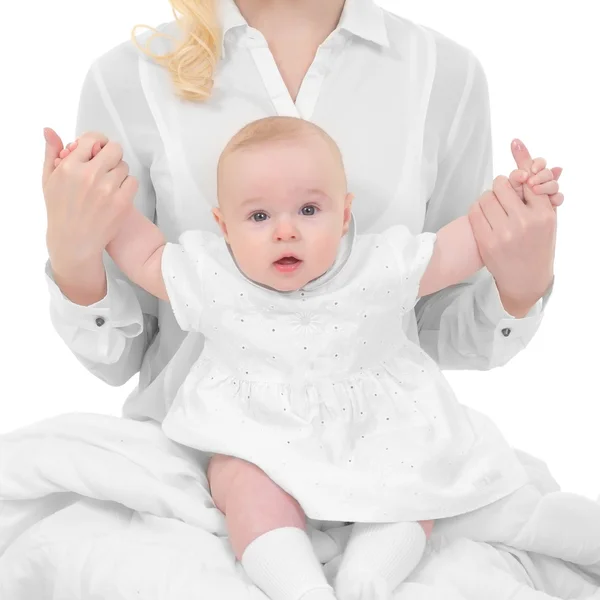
column 322, row 389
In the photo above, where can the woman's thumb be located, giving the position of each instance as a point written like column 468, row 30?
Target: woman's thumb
column 53, row 147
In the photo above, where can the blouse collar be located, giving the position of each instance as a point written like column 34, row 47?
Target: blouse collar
column 362, row 18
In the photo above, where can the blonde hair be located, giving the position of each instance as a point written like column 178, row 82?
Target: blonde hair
column 192, row 64
column 276, row 129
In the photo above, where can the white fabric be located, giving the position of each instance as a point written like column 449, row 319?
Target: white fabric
column 415, row 135
column 94, row 507
column 322, row 389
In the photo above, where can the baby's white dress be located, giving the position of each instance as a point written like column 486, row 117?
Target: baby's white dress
column 322, row 389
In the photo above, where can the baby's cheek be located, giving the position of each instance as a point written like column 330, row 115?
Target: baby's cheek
column 327, row 247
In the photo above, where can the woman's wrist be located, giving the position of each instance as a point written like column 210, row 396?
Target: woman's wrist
column 82, row 284
column 517, row 309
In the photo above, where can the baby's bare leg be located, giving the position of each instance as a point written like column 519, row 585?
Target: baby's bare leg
column 267, row 531
column 251, row 502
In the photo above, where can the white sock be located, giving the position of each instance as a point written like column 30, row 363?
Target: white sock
column 378, row 558
column 283, row 565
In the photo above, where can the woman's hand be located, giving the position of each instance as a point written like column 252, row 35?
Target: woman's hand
column 516, row 237
column 87, row 198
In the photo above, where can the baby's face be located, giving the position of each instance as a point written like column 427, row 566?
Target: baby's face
column 283, row 208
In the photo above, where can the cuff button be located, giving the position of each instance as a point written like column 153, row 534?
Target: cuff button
column 100, row 321
column 506, row 331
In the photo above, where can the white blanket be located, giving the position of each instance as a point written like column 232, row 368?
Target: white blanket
column 94, row 507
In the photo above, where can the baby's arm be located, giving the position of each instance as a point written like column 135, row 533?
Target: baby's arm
column 456, row 255
column 137, row 250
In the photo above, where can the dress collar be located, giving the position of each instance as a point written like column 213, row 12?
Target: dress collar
column 362, row 18
column 343, row 254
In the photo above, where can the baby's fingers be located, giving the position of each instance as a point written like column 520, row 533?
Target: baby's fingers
column 68, row 149
column 542, row 177
column 96, row 149
column 549, row 188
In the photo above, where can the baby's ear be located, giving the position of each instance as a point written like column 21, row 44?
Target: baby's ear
column 218, row 216
column 347, row 212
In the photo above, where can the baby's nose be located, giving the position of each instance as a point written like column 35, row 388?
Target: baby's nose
column 286, row 231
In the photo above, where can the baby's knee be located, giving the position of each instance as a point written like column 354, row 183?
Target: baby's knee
column 427, row 527
column 223, row 473
column 233, row 477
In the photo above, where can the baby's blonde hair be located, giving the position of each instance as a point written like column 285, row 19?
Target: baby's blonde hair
column 277, row 129
column 192, row 64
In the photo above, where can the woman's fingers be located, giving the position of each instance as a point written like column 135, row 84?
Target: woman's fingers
column 538, row 165
column 51, row 151
column 517, row 179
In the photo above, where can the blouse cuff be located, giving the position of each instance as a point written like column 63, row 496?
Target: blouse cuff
column 119, row 308
column 488, row 299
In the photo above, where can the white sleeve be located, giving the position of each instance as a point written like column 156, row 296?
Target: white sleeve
column 465, row 326
column 111, row 336
column 412, row 254
column 182, row 272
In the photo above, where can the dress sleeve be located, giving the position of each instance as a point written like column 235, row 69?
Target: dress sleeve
column 412, row 254
column 465, row 326
column 182, row 265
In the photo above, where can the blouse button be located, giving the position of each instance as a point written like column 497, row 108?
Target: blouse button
column 506, row 331
column 100, row 321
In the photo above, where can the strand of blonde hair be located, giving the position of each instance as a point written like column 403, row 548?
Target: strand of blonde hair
column 192, row 63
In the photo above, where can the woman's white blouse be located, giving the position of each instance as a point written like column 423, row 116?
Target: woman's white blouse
column 409, row 109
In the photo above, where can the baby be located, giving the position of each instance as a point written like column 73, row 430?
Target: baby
column 308, row 396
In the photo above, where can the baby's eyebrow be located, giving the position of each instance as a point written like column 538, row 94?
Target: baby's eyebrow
column 315, row 192
column 252, row 201
column 310, row 192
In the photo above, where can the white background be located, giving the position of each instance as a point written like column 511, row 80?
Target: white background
column 542, row 61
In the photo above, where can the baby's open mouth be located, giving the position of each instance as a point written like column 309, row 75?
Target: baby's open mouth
column 287, row 260
column 287, row 264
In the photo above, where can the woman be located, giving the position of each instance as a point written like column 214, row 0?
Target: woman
column 409, row 109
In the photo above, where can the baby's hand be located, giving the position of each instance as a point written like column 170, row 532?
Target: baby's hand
column 535, row 186
column 541, row 180
column 70, row 147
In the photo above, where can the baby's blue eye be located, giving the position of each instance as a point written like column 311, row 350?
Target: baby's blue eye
column 258, row 217
column 309, row 211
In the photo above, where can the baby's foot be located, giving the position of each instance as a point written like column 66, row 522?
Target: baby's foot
column 378, row 558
